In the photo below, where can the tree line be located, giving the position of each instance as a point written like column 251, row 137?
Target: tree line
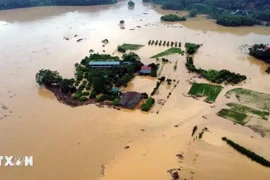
column 250, row 154
column 215, row 76
column 253, row 9
column 237, row 20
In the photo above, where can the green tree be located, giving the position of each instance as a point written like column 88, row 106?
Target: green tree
column 67, row 86
column 98, row 83
column 131, row 3
column 47, row 77
column 116, row 101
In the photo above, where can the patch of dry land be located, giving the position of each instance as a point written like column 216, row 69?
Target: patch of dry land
column 89, row 142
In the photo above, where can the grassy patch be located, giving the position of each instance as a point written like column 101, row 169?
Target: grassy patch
column 168, row 52
column 131, row 46
column 251, row 98
column 247, row 110
column 237, row 117
column 209, row 91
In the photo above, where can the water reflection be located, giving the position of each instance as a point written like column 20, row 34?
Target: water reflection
column 44, row 93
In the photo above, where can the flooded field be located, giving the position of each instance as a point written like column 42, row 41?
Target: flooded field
column 89, row 142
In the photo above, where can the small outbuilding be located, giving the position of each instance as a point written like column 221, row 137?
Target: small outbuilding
column 145, row 70
column 130, row 99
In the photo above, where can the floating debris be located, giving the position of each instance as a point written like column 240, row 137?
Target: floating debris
column 79, row 39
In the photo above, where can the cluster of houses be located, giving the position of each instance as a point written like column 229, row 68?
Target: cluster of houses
column 129, row 99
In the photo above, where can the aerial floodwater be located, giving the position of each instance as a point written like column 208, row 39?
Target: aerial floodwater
column 90, row 142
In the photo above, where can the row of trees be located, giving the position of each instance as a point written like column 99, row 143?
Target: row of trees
column 250, row 154
column 9, row 4
column 214, row 75
column 164, row 43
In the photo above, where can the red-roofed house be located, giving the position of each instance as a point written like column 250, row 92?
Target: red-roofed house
column 267, row 47
column 145, row 70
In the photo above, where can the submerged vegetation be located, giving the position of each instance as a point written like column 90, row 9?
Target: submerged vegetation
column 124, row 47
column 172, row 18
column 241, row 114
column 148, row 104
column 209, row 91
column 248, row 110
column 251, row 98
column 131, row 46
column 169, row 52
column 154, row 69
column 260, row 51
column 194, row 130
column 235, row 116
column 202, row 132
column 215, row 76
column 157, row 86
column 253, row 156
column 192, row 48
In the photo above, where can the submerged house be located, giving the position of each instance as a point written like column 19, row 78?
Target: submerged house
column 145, row 70
column 130, row 99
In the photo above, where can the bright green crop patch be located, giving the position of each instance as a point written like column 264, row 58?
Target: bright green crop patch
column 131, row 46
column 237, row 117
column 209, row 91
column 169, row 52
column 248, row 110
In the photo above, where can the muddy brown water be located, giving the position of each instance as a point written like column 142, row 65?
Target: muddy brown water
column 75, row 143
